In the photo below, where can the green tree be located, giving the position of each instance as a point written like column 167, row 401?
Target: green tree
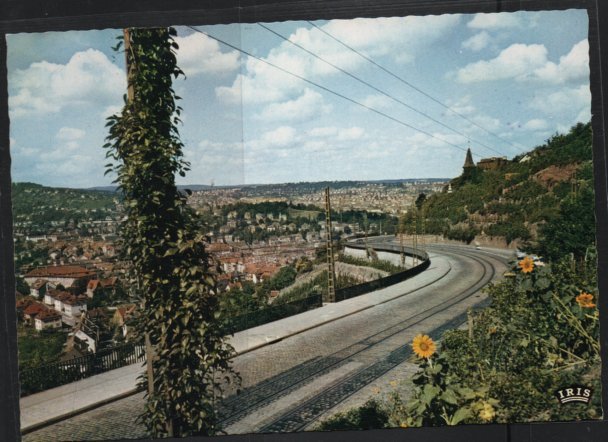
column 22, row 286
column 420, row 201
column 573, row 230
column 164, row 243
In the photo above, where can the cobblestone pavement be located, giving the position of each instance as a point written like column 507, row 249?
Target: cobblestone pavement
column 303, row 379
column 116, row 420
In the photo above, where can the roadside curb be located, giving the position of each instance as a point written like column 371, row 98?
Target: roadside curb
column 101, row 403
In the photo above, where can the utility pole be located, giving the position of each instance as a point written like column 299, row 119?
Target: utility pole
column 130, row 97
column 331, row 272
column 365, row 224
column 422, row 238
column 415, row 238
column 401, row 233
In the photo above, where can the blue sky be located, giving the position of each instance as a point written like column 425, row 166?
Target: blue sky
column 519, row 77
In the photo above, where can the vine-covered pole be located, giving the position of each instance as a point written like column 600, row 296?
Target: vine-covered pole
column 130, row 97
column 163, row 241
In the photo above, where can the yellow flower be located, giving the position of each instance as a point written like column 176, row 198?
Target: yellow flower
column 526, row 265
column 403, row 425
column 487, row 413
column 584, row 300
column 423, row 346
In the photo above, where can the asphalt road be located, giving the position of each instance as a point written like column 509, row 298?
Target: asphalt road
column 293, row 384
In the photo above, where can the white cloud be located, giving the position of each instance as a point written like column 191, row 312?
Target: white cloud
column 199, row 54
column 477, row 42
column 572, row 66
column 70, row 134
column 529, row 62
column 350, row 134
column 402, row 36
column 518, row 61
column 438, row 141
column 111, row 110
column 535, row 124
column 19, row 152
column 306, row 106
column 583, row 116
column 462, row 106
column 88, row 78
column 498, row 20
column 565, row 100
column 323, row 131
column 281, row 136
column 487, row 122
column 333, row 133
column 377, row 101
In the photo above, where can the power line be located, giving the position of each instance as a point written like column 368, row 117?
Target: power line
column 413, row 86
column 377, row 89
column 396, row 120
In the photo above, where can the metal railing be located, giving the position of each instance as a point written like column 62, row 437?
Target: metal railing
column 55, row 374
column 275, row 312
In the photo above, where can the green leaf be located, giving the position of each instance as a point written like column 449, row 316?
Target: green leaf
column 429, row 392
column 449, row 396
column 460, row 415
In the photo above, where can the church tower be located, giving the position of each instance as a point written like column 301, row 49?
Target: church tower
column 468, row 161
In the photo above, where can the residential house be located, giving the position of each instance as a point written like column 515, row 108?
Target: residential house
column 46, row 319
column 121, row 318
column 92, row 287
column 72, row 277
column 38, row 288
column 21, row 305
column 86, row 335
column 70, row 306
column 31, row 311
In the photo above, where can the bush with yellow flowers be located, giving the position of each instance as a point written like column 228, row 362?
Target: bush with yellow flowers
column 439, row 397
column 539, row 334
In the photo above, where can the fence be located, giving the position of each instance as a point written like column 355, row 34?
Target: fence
column 55, row 374
column 273, row 313
column 366, row 287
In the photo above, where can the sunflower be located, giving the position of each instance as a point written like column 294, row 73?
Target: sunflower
column 584, row 300
column 423, row 346
column 487, row 413
column 526, row 265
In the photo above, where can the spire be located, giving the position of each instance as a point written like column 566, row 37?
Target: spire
column 468, row 162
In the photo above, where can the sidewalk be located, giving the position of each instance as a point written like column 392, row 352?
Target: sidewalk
column 53, row 405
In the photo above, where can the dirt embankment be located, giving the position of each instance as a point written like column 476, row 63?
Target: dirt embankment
column 362, row 273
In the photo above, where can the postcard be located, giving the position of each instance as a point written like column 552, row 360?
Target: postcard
column 324, row 225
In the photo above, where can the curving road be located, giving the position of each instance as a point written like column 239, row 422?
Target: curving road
column 294, row 383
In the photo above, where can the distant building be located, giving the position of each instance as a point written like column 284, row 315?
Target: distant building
column 493, row 163
column 92, row 287
column 121, row 317
column 38, row 288
column 47, row 319
column 32, row 310
column 70, row 276
column 70, row 306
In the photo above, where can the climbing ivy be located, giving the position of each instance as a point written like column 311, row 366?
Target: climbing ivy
column 163, row 242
